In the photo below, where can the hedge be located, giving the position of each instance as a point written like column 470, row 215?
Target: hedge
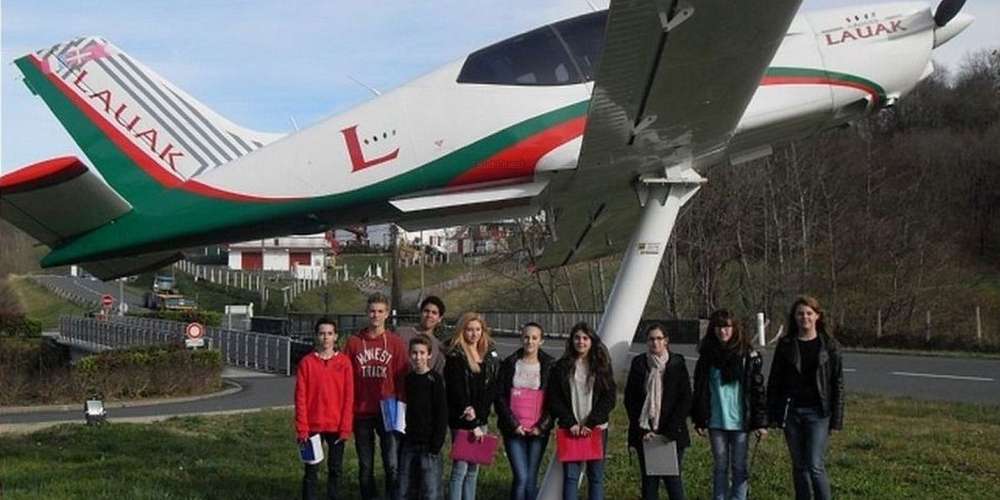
column 207, row 318
column 35, row 372
column 19, row 326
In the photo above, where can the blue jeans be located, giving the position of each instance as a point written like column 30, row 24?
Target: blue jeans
column 462, row 485
column 429, row 466
column 674, row 484
column 806, row 434
column 525, row 455
column 595, row 476
column 334, row 460
column 729, row 451
column 365, row 430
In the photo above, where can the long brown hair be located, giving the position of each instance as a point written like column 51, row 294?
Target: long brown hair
column 822, row 326
column 481, row 347
column 598, row 358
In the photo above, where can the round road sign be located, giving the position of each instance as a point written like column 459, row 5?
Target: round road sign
column 107, row 300
column 194, row 331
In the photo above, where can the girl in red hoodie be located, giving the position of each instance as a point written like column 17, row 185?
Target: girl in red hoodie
column 324, row 405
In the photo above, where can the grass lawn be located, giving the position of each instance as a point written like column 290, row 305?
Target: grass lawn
column 40, row 304
column 344, row 296
column 891, row 449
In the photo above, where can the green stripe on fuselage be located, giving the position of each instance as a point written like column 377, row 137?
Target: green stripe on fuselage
column 163, row 215
column 779, row 71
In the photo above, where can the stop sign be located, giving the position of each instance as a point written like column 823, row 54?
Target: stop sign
column 107, row 300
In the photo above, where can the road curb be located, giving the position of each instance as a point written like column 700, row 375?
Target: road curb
column 233, row 388
column 28, row 428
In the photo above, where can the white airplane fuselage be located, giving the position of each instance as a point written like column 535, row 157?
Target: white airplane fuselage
column 829, row 69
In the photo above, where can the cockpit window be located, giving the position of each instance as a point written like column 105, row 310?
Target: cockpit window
column 584, row 35
column 542, row 56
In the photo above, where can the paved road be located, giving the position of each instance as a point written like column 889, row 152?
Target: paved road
column 919, row 377
column 258, row 392
column 92, row 289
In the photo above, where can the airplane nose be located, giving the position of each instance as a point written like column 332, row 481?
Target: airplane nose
column 955, row 26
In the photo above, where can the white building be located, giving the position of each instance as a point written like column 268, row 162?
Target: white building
column 305, row 255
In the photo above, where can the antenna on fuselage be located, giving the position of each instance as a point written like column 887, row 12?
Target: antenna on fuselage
column 370, row 89
column 294, row 125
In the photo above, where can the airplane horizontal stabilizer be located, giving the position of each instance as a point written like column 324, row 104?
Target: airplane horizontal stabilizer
column 58, row 199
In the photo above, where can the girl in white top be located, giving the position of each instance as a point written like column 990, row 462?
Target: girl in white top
column 522, row 380
column 580, row 397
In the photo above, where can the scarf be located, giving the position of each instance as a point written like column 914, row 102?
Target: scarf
column 728, row 363
column 650, row 415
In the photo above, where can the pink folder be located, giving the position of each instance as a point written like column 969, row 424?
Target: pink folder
column 526, row 405
column 570, row 448
column 467, row 449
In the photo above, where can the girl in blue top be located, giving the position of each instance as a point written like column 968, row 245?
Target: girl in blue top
column 729, row 401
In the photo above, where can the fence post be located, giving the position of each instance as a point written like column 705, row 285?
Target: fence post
column 761, row 337
column 288, row 356
column 927, row 327
column 878, row 324
column 979, row 327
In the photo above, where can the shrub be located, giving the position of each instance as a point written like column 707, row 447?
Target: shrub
column 36, row 372
column 162, row 370
column 18, row 325
column 26, row 366
column 207, row 318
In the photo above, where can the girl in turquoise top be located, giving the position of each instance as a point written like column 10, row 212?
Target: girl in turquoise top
column 729, row 401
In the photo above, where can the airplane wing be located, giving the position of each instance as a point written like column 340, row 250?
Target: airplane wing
column 674, row 79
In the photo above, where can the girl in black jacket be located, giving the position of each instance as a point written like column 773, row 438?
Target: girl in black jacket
column 805, row 395
column 729, row 401
column 580, row 396
column 470, row 373
column 524, row 376
column 658, row 400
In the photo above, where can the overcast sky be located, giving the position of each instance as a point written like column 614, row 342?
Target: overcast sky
column 261, row 64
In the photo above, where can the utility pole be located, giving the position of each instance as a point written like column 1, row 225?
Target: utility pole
column 394, row 249
column 260, row 282
column 423, row 255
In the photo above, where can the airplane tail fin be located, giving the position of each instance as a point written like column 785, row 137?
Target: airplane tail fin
column 123, row 115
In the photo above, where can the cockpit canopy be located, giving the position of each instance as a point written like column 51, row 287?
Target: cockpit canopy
column 563, row 53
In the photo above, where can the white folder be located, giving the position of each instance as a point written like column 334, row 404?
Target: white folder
column 660, row 455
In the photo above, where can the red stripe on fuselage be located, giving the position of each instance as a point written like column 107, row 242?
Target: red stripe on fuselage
column 520, row 159
column 815, row 80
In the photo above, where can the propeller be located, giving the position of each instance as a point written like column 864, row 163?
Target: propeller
column 946, row 11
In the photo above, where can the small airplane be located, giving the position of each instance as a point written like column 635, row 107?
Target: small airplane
column 564, row 118
column 602, row 121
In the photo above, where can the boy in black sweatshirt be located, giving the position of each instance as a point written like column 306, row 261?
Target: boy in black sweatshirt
column 426, row 424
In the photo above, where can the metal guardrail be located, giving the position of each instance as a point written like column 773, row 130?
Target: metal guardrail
column 49, row 282
column 502, row 323
column 257, row 351
column 556, row 324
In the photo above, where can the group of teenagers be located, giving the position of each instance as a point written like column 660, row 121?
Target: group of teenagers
column 340, row 393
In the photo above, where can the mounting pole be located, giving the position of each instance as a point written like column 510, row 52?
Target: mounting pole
column 661, row 198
